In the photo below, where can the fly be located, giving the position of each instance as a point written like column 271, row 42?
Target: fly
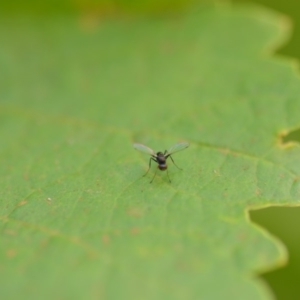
column 161, row 157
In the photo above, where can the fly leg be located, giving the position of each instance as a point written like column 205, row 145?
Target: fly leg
column 174, row 162
column 168, row 176
column 151, row 158
column 153, row 176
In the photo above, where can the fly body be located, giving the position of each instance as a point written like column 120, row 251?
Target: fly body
column 159, row 157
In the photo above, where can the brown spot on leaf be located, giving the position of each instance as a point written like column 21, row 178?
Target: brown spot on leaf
column 23, row 203
column 135, row 212
column 106, row 239
column 10, row 232
column 135, row 231
column 258, row 192
column 26, row 176
column 11, row 253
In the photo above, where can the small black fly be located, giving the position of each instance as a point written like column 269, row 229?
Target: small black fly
column 161, row 157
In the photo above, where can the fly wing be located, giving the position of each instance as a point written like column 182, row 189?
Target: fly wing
column 178, row 147
column 144, row 149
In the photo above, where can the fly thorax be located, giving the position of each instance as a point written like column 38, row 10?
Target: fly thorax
column 161, row 159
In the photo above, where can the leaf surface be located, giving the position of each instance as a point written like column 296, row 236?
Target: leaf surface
column 78, row 219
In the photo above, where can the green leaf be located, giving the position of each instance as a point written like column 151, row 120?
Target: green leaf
column 78, row 219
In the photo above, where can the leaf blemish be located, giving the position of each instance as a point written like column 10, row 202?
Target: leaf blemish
column 135, row 231
column 106, row 239
column 11, row 253
column 135, row 212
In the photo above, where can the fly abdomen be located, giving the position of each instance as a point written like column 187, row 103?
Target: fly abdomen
column 162, row 167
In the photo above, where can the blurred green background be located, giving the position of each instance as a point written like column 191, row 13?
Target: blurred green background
column 282, row 222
